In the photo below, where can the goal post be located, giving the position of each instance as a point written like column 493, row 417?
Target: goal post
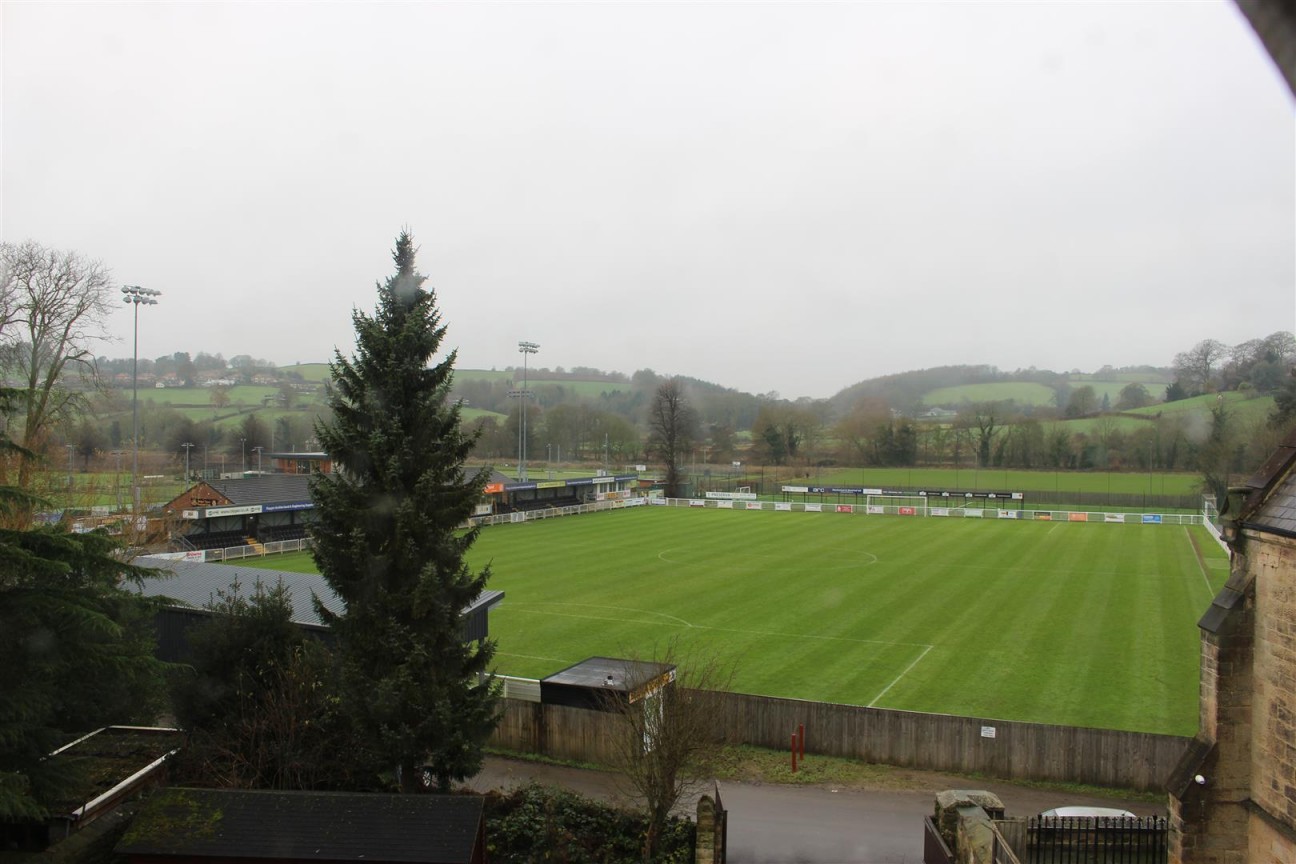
column 1210, row 513
column 897, row 505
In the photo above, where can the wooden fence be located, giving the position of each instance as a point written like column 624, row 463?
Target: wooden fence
column 933, row 742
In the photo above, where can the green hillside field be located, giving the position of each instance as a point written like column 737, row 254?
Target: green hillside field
column 1084, row 624
column 1021, row 392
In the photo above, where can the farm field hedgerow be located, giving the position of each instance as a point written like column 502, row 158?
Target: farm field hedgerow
column 1074, row 623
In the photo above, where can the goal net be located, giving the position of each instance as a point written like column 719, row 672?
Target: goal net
column 897, row 505
column 1210, row 513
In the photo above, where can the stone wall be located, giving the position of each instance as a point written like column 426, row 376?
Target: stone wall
column 1273, row 749
column 1209, row 687
column 1209, row 825
column 1245, row 808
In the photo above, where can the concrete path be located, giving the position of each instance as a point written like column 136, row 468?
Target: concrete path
column 813, row 824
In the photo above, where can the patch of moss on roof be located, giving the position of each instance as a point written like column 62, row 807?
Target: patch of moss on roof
column 171, row 815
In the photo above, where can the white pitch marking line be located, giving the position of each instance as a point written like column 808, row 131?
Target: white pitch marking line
column 1198, row 558
column 681, row 621
column 863, row 562
column 516, row 607
column 813, row 636
column 531, row 657
column 901, row 675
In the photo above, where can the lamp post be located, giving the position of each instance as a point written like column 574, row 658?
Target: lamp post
column 136, row 296
column 187, row 447
column 117, row 479
column 243, row 445
column 525, row 348
column 257, row 450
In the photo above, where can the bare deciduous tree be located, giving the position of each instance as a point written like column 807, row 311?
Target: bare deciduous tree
column 54, row 307
column 983, row 421
column 1195, row 369
column 672, row 426
column 669, row 735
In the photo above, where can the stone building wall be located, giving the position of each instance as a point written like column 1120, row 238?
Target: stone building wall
column 1273, row 748
column 1209, row 689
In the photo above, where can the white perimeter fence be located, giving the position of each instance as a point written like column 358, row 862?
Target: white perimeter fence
column 875, row 506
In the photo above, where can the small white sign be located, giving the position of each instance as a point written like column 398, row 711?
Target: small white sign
column 987, row 731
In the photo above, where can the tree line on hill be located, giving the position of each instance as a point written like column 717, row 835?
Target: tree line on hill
column 67, row 401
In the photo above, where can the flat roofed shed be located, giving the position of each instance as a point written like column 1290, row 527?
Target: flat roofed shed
column 587, row 684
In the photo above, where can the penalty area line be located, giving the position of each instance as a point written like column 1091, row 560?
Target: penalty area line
column 901, row 675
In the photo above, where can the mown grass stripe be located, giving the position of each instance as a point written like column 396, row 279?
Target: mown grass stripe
column 1076, row 623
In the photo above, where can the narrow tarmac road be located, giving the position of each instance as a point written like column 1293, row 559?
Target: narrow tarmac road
column 777, row 824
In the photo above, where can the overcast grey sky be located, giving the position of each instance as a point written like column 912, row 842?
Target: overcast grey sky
column 788, row 197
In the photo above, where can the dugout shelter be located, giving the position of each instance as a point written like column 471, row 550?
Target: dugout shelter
column 505, row 495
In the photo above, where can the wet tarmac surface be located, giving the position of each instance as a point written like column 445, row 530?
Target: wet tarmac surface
column 814, row 824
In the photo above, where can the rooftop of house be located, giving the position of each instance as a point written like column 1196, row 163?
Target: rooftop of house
column 306, row 826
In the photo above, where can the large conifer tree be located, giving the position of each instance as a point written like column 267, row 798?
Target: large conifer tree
column 76, row 648
column 389, row 540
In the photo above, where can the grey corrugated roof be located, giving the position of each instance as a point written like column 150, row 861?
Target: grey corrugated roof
column 266, row 489
column 195, row 583
column 307, row 826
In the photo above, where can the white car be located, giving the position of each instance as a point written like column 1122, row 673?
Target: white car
column 1090, row 812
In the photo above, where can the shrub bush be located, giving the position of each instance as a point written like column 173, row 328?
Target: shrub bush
column 536, row 823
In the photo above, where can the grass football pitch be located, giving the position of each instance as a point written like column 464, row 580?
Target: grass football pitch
column 1084, row 624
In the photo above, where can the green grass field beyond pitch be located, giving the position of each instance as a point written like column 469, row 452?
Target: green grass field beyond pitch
column 1084, row 624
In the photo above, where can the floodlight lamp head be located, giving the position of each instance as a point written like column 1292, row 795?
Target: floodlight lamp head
column 528, row 347
column 137, row 295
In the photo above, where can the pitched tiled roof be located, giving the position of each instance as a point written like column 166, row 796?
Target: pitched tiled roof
column 1279, row 509
column 1271, row 502
column 306, row 826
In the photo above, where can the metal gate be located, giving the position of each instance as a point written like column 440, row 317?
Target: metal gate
column 1095, row 840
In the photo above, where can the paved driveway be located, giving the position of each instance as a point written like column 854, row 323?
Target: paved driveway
column 812, row 824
